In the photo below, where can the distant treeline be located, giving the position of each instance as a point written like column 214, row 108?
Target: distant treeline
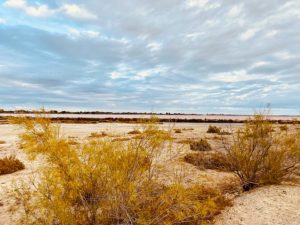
column 5, row 120
column 22, row 111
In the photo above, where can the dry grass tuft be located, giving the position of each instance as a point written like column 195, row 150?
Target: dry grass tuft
column 2, row 142
column 98, row 135
column 200, row 145
column 185, row 141
column 213, row 129
column 214, row 161
column 10, row 164
column 283, row 128
column 188, row 128
column 134, row 132
column 121, row 139
column 177, row 131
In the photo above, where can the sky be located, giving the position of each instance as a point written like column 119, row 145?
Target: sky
column 190, row 56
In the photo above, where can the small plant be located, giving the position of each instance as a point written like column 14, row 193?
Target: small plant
column 121, row 139
column 187, row 141
column 214, row 161
column 284, row 128
column 98, row 135
column 188, row 128
column 177, row 131
column 73, row 141
column 134, row 132
column 201, row 145
column 10, row 164
column 213, row 129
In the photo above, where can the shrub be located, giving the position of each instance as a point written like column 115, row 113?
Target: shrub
column 201, row 145
column 188, row 128
column 10, row 164
column 213, row 129
column 134, row 132
column 283, row 128
column 259, row 157
column 106, row 182
column 2, row 142
column 214, row 161
column 98, row 135
column 177, row 131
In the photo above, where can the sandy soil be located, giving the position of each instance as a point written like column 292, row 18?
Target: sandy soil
column 273, row 205
column 258, row 207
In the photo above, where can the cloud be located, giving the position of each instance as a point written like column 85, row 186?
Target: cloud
column 143, row 74
column 154, row 46
column 235, row 11
column 160, row 55
column 42, row 10
column 196, row 3
column 75, row 33
column 77, row 12
column 2, row 21
column 36, row 11
column 248, row 34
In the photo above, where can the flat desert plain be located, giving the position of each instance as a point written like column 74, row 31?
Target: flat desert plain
column 278, row 204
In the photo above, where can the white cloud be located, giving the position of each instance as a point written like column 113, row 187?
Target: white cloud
column 36, row 11
column 42, row 10
column 196, row 3
column 239, row 76
column 154, row 46
column 259, row 64
column 75, row 33
column 284, row 55
column 271, row 33
column 2, row 21
column 235, row 11
column 141, row 75
column 248, row 34
column 77, row 12
column 201, row 4
column 115, row 75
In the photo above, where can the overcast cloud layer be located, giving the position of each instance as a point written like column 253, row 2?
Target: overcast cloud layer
column 196, row 56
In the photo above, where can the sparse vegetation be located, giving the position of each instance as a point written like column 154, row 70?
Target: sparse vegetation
column 177, row 131
column 134, row 132
column 214, row 160
column 284, row 128
column 186, row 141
column 188, row 128
column 213, row 129
column 200, row 145
column 107, row 182
column 10, row 164
column 259, row 156
column 98, row 135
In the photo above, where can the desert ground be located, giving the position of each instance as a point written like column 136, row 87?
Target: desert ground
column 278, row 204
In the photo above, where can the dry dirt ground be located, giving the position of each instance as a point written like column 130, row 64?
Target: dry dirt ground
column 269, row 205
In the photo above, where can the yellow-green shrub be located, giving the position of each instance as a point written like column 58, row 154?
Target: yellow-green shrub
column 107, row 182
column 259, row 156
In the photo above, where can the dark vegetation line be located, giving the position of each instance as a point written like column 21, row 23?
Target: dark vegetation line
column 5, row 120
